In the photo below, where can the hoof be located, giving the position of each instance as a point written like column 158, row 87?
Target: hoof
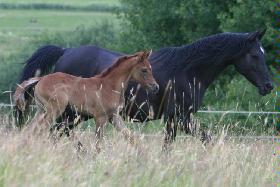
column 205, row 137
column 80, row 147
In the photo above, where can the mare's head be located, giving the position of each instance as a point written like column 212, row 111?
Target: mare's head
column 142, row 72
column 252, row 63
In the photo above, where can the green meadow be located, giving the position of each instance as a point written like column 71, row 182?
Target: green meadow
column 64, row 2
column 19, row 25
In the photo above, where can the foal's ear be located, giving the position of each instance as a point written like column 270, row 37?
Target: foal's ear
column 147, row 53
column 143, row 56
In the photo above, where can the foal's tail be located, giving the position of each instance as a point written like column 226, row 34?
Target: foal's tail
column 41, row 62
column 23, row 97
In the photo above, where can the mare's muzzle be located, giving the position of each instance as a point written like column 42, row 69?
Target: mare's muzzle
column 266, row 88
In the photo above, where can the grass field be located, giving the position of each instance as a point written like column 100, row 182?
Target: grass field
column 23, row 22
column 64, row 2
column 19, row 25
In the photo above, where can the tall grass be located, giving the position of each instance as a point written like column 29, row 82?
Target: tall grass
column 29, row 160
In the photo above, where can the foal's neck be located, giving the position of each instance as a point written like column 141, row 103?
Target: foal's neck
column 119, row 77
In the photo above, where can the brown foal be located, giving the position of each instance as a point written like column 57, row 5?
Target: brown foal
column 101, row 96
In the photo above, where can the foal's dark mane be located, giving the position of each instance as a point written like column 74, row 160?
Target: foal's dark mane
column 115, row 65
column 206, row 52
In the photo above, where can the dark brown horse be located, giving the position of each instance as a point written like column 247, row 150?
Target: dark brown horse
column 101, row 96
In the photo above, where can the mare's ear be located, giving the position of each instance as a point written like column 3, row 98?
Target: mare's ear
column 261, row 33
column 252, row 36
column 256, row 35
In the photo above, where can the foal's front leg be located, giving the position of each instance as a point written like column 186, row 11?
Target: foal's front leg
column 100, row 124
column 119, row 124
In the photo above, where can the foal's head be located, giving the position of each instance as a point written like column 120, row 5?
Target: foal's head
column 142, row 72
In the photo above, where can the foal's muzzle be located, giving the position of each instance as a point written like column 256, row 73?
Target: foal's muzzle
column 154, row 88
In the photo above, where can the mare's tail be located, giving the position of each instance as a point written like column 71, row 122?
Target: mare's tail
column 22, row 98
column 41, row 62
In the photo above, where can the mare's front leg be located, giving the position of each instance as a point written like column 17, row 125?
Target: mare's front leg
column 190, row 127
column 128, row 135
column 170, row 133
column 99, row 130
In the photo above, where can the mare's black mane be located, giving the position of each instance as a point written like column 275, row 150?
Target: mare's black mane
column 207, row 51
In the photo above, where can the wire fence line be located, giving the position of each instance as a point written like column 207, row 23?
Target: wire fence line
column 240, row 138
column 3, row 105
column 270, row 138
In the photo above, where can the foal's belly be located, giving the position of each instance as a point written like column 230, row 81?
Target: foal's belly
column 94, row 108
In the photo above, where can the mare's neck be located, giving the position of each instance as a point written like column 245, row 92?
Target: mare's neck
column 201, row 77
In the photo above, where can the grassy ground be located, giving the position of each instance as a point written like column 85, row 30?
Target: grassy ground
column 34, row 21
column 27, row 160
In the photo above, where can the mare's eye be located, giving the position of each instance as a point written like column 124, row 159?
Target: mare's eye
column 254, row 55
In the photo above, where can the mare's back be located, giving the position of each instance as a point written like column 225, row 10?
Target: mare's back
column 86, row 61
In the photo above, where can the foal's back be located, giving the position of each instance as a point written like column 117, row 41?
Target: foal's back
column 61, row 89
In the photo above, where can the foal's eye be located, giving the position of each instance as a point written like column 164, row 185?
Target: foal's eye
column 144, row 71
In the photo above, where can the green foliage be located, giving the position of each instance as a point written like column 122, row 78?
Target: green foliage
column 238, row 95
column 247, row 16
column 159, row 23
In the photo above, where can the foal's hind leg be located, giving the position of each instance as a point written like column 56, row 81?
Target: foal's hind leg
column 66, row 128
column 52, row 109
column 37, row 119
